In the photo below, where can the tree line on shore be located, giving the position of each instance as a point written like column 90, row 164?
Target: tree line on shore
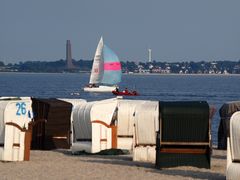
column 214, row 67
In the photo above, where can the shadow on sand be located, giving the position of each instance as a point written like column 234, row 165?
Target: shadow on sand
column 126, row 160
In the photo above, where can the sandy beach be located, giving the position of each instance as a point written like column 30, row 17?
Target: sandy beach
column 60, row 164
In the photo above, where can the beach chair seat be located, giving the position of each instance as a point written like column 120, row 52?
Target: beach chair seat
column 17, row 143
column 233, row 148
column 183, row 138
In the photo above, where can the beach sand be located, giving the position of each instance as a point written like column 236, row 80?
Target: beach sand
column 60, row 164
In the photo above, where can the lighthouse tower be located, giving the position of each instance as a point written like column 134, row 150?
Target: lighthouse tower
column 149, row 55
column 69, row 55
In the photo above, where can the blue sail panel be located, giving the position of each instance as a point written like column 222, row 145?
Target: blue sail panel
column 111, row 78
column 112, row 67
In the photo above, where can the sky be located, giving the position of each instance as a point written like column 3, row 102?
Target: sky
column 175, row 30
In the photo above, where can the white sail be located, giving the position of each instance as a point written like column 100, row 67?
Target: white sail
column 97, row 67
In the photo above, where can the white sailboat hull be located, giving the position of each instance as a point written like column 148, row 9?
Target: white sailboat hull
column 100, row 89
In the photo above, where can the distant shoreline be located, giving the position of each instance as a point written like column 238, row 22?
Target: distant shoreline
column 175, row 74
column 131, row 74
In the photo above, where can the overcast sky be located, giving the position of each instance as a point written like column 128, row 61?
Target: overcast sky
column 175, row 30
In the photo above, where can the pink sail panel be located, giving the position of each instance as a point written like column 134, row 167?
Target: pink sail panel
column 112, row 66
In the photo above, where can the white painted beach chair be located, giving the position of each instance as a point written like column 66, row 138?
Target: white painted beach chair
column 93, row 127
column 233, row 148
column 125, row 123
column 145, row 130
column 104, row 125
column 15, row 137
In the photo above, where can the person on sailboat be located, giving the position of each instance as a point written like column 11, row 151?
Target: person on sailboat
column 89, row 85
column 134, row 92
column 126, row 90
column 92, row 85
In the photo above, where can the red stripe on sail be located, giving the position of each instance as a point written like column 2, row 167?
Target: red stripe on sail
column 112, row 66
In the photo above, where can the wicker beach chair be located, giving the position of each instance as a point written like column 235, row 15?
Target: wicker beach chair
column 15, row 129
column 233, row 148
column 51, row 128
column 183, row 138
column 225, row 112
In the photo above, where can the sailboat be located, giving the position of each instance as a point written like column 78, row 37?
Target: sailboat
column 106, row 70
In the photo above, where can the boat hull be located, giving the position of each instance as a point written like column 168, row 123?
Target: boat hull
column 134, row 93
column 100, row 89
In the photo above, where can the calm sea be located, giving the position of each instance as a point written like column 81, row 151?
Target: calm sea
column 212, row 88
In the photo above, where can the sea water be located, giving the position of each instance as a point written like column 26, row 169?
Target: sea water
column 215, row 89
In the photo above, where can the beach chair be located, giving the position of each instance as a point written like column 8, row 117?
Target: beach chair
column 125, row 123
column 233, row 148
column 146, row 121
column 94, row 128
column 225, row 112
column 52, row 124
column 15, row 130
column 183, row 138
